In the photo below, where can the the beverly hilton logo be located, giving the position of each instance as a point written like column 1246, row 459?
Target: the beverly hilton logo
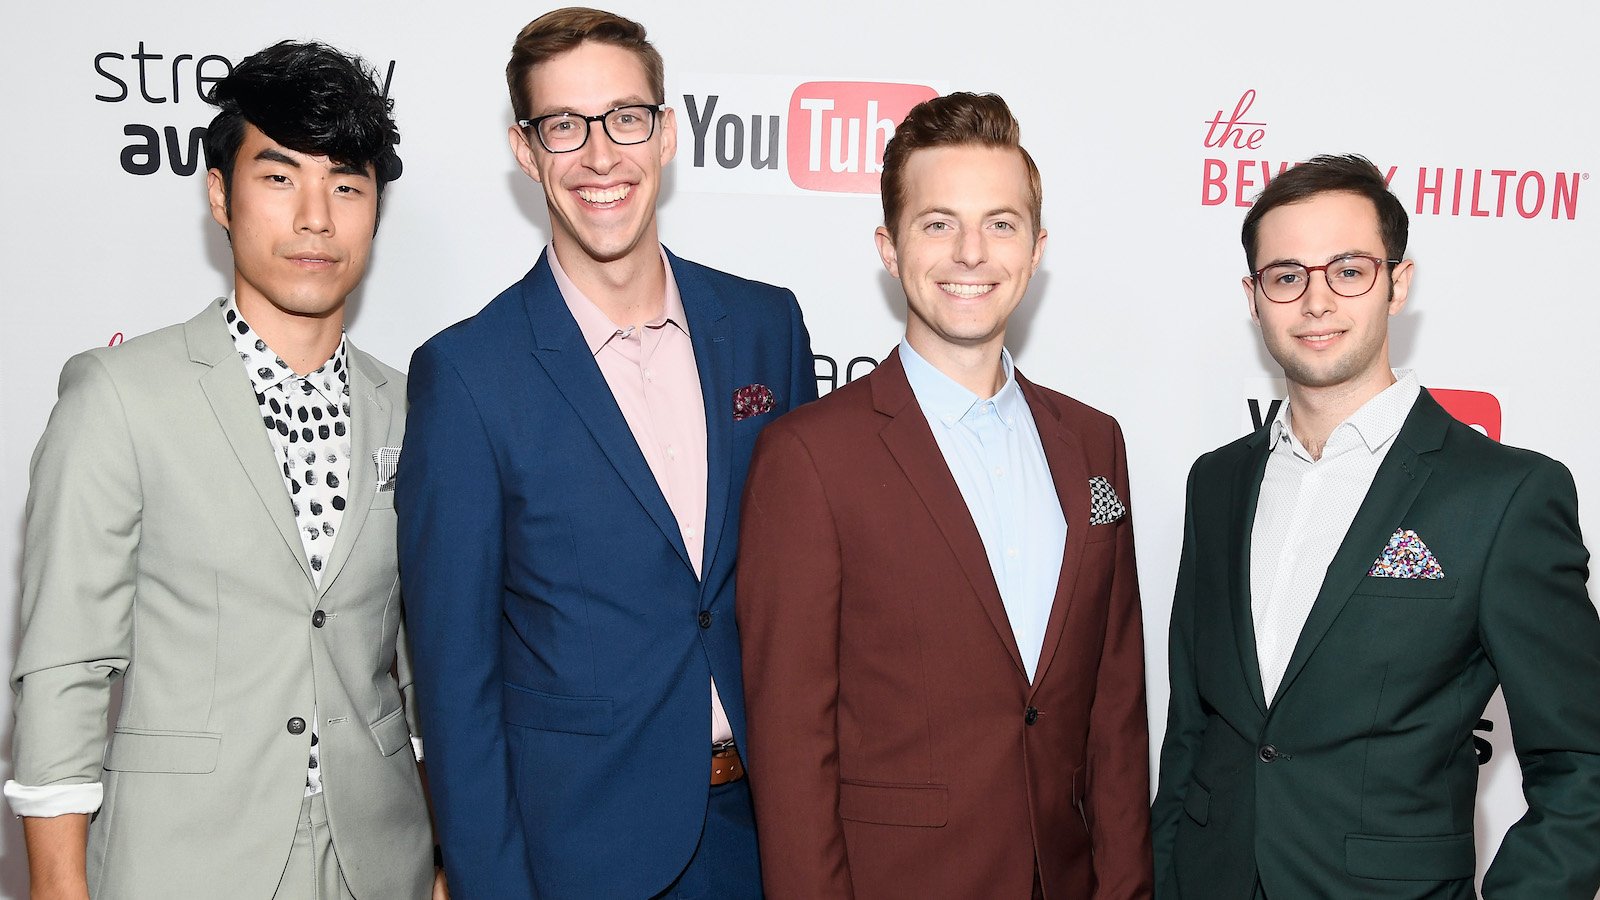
column 769, row 135
column 1235, row 170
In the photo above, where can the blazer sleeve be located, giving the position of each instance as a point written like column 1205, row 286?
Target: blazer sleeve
column 803, row 366
column 79, row 569
column 1542, row 635
column 788, row 612
column 1186, row 717
column 1118, row 790
column 452, row 569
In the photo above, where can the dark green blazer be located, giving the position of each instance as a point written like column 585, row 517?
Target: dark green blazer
column 1359, row 779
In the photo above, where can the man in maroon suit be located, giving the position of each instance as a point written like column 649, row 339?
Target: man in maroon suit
column 937, row 600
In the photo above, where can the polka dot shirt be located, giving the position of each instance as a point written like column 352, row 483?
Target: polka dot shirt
column 307, row 419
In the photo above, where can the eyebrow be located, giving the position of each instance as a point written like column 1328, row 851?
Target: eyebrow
column 946, row 211
column 272, row 154
column 630, row 100
column 1289, row 260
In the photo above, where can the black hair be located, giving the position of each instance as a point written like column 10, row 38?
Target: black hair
column 310, row 98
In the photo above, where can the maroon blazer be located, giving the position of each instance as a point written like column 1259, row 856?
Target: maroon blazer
column 895, row 745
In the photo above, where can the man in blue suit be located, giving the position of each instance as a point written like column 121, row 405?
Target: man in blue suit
column 569, row 505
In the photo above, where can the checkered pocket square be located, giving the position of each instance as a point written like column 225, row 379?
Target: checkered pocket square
column 1406, row 556
column 1105, row 506
column 387, row 460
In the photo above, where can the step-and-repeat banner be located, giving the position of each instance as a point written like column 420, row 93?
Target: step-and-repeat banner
column 1153, row 124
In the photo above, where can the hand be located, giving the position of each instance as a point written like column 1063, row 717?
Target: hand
column 440, row 891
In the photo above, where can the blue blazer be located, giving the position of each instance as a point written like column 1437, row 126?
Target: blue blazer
column 563, row 646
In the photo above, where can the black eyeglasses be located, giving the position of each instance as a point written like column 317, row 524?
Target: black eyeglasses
column 1347, row 276
column 565, row 132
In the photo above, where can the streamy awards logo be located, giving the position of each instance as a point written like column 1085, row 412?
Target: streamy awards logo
column 777, row 135
column 170, row 90
column 1238, row 166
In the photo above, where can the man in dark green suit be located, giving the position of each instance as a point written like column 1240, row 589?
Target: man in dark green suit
column 1357, row 578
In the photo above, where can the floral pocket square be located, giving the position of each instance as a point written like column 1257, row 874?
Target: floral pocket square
column 1105, row 506
column 1406, row 556
column 387, row 461
column 751, row 400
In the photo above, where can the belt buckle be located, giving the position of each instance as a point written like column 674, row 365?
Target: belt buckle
column 726, row 766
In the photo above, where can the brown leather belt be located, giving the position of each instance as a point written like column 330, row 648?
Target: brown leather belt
column 726, row 766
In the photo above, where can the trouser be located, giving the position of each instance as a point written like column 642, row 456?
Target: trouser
column 312, row 872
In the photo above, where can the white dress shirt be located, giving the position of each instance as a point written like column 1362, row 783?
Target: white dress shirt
column 1305, row 508
column 993, row 450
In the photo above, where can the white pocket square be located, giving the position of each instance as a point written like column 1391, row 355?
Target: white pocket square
column 387, row 460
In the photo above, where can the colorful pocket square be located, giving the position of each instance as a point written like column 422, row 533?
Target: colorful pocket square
column 1406, row 557
column 751, row 400
column 387, row 461
column 1105, row 506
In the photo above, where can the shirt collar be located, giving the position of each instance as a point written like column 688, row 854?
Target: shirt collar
column 268, row 370
column 597, row 328
column 1375, row 424
column 944, row 400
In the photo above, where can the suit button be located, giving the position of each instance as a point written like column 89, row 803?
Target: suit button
column 297, row 725
column 1268, row 753
column 317, row 618
column 705, row 618
column 1031, row 716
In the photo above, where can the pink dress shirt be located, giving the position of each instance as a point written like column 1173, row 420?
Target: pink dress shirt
column 652, row 374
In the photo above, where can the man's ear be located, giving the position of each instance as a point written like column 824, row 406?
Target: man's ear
column 217, row 195
column 1402, row 286
column 523, row 151
column 1249, row 284
column 886, row 251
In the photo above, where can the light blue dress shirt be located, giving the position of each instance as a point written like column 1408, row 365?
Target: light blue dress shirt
column 993, row 451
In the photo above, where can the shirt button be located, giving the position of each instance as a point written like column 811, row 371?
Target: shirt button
column 705, row 618
column 672, row 452
column 1011, row 553
column 1268, row 753
column 317, row 618
column 999, row 471
column 649, row 374
column 1031, row 715
column 689, row 532
column 297, row 725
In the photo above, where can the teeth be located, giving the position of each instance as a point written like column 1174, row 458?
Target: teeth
column 1319, row 338
column 966, row 290
column 611, row 195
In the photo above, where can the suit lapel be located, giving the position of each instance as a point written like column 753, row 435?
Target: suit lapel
column 369, row 424
column 709, row 329
column 227, row 389
column 912, row 445
column 1069, row 471
column 559, row 348
column 1395, row 487
column 1245, row 489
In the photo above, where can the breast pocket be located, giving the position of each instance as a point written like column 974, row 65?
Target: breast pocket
column 1408, row 588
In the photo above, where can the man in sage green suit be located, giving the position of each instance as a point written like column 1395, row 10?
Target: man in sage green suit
column 207, row 523
column 1358, row 577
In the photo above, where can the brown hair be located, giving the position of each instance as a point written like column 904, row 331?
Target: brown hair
column 954, row 120
column 1349, row 174
column 560, row 30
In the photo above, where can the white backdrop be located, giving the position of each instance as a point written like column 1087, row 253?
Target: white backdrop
column 1126, row 107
